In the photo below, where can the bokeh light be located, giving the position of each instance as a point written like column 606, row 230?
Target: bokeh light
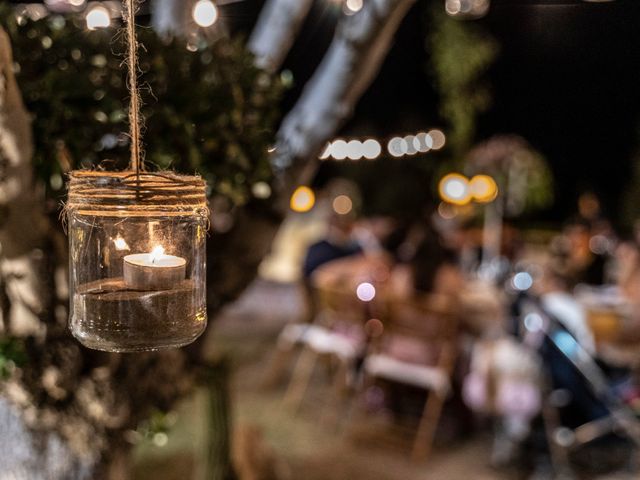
column 261, row 190
column 467, row 8
column 374, row 327
column 533, row 322
column 484, row 188
column 366, row 292
column 422, row 142
column 326, row 153
column 522, row 281
column 438, row 139
column 205, row 13
column 303, row 199
column 120, row 243
column 454, row 188
column 408, row 144
column 98, row 17
column 353, row 6
column 342, row 205
column 371, row 149
column 339, row 150
column 354, row 150
column 394, row 147
column 447, row 211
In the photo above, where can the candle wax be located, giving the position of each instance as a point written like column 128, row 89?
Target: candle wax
column 153, row 271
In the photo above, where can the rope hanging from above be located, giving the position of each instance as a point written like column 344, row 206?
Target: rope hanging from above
column 130, row 7
column 135, row 192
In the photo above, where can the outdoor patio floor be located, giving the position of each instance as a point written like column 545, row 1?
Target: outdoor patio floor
column 307, row 445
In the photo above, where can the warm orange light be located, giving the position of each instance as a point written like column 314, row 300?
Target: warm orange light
column 156, row 253
column 303, row 199
column 447, row 211
column 484, row 188
column 454, row 188
column 342, row 205
column 120, row 243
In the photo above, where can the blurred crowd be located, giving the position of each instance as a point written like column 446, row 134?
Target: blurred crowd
column 539, row 342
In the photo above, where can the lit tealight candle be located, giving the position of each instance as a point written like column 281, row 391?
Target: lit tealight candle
column 153, row 271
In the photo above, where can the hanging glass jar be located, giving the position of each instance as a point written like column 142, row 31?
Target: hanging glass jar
column 137, row 259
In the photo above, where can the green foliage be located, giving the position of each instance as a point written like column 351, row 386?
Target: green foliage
column 461, row 53
column 156, row 428
column 207, row 108
column 12, row 354
column 522, row 173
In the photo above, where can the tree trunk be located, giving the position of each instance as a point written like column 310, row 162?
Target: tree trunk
column 276, row 30
column 25, row 456
column 80, row 402
column 24, row 271
column 354, row 58
column 28, row 289
column 171, row 17
column 218, row 453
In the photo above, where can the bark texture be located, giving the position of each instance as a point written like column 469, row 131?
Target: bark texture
column 276, row 30
column 171, row 17
column 74, row 406
column 28, row 293
column 355, row 55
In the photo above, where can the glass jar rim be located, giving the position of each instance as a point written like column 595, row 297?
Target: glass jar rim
column 127, row 193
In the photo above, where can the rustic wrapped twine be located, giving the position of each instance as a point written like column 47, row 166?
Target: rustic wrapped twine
column 131, row 194
column 135, row 117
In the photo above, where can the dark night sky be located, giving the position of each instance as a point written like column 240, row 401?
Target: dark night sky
column 568, row 80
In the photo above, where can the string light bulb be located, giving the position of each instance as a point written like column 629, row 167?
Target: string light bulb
column 303, row 199
column 98, row 17
column 342, row 205
column 484, row 188
column 353, row 6
column 454, row 188
column 205, row 13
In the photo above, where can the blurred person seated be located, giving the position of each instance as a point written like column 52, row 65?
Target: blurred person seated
column 553, row 290
column 582, row 259
column 339, row 242
column 612, row 311
column 580, row 405
column 425, row 266
column 506, row 371
column 378, row 240
column 408, row 264
column 628, row 273
column 420, row 269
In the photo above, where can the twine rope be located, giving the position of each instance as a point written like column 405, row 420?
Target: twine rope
column 135, row 117
column 129, row 194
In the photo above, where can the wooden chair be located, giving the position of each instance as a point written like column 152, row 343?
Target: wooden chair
column 432, row 323
column 337, row 309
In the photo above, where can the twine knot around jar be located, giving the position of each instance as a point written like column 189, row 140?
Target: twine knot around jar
column 131, row 194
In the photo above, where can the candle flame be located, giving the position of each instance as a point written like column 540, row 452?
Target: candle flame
column 120, row 243
column 156, row 253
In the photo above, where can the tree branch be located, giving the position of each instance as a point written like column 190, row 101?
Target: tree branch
column 23, row 226
column 276, row 30
column 361, row 43
column 170, row 17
